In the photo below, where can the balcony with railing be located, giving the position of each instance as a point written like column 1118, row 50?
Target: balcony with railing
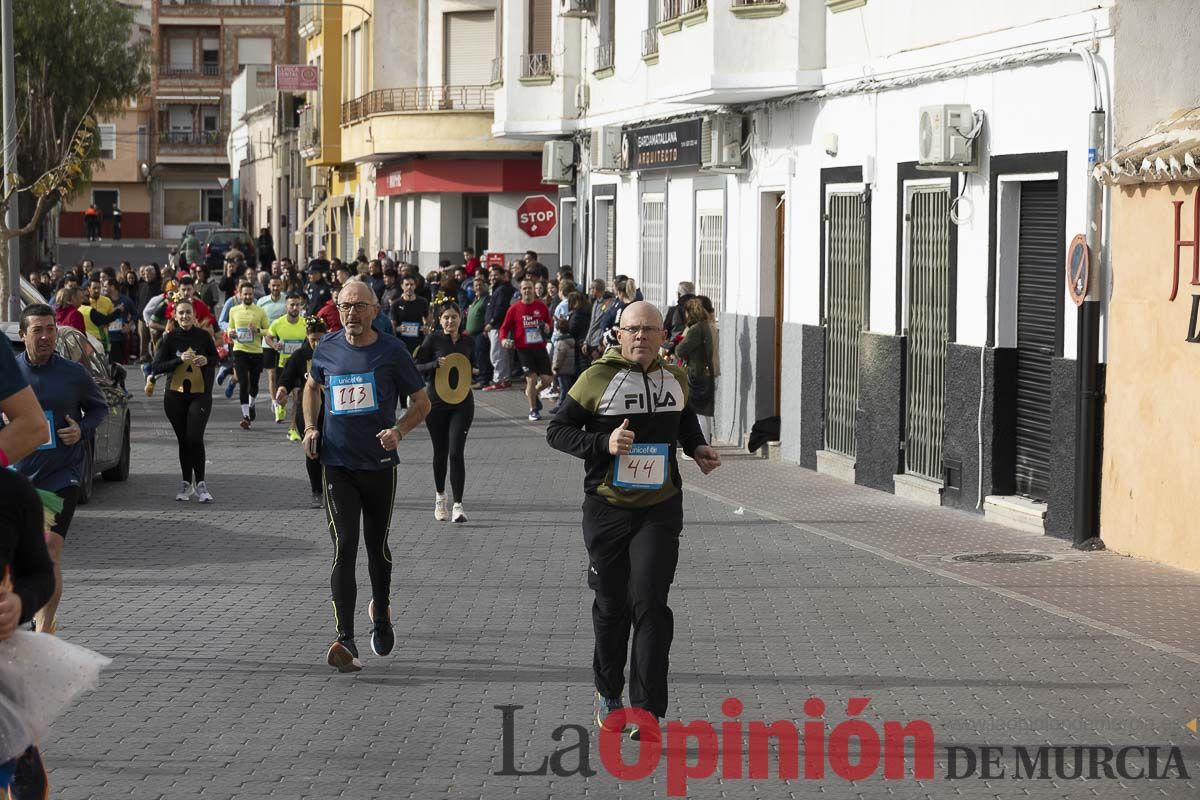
column 537, row 68
column 309, row 23
column 674, row 14
column 757, row 8
column 605, row 59
column 207, row 70
column 309, row 140
column 417, row 99
column 192, row 138
column 650, row 44
column 168, row 3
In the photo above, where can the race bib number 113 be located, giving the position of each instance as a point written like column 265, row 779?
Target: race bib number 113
column 352, row 394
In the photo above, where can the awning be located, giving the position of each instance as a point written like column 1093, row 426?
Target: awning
column 1169, row 152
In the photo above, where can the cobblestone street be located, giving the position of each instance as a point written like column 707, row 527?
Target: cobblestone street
column 790, row 585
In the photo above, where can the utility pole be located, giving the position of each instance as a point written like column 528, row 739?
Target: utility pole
column 13, row 217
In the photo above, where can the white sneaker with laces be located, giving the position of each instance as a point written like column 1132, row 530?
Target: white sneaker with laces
column 439, row 508
column 185, row 492
column 458, row 515
column 202, row 493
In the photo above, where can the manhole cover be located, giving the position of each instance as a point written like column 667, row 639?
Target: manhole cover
column 1002, row 558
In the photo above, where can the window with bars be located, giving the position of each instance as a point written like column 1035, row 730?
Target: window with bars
column 108, row 141
column 653, row 263
column 710, row 256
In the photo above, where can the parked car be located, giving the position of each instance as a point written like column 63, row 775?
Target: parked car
column 221, row 241
column 107, row 452
column 200, row 230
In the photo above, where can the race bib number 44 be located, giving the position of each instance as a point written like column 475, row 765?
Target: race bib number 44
column 644, row 467
column 352, row 394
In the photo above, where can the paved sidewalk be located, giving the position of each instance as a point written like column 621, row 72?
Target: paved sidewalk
column 218, row 617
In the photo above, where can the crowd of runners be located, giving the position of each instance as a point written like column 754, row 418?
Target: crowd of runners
column 356, row 357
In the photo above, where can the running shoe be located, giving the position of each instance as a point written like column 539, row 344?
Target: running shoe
column 383, row 635
column 280, row 414
column 343, row 655
column 202, row 493
column 439, row 508
column 534, row 416
column 493, row 387
column 547, row 393
column 229, row 390
column 185, row 492
column 252, row 413
column 606, row 706
column 222, row 374
column 457, row 514
column 245, row 423
column 317, row 501
column 650, row 735
column 294, row 435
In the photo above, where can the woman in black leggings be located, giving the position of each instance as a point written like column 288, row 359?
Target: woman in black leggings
column 292, row 378
column 189, row 354
column 445, row 360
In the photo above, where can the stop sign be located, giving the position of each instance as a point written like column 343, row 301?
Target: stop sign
column 536, row 216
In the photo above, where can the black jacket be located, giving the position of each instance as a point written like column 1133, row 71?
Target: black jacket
column 497, row 305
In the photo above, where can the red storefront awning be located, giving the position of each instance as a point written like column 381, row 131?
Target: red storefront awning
column 475, row 176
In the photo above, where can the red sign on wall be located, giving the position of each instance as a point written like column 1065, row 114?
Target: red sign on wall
column 537, row 216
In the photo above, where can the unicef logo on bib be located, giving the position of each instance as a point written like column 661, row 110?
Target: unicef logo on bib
column 352, row 394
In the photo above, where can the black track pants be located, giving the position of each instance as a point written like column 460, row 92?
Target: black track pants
column 448, row 427
column 351, row 495
column 632, row 555
column 248, row 368
column 188, row 414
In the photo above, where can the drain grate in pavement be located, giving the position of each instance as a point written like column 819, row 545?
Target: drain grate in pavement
column 1001, row 558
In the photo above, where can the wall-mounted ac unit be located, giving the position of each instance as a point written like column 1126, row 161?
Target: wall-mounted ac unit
column 577, row 9
column 946, row 135
column 721, row 141
column 558, row 158
column 320, row 178
column 606, row 148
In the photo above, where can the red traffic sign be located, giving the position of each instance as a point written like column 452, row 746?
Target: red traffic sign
column 1078, row 270
column 537, row 216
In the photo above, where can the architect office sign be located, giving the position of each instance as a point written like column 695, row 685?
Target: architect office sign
column 675, row 144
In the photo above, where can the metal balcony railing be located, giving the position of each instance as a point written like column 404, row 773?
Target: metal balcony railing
column 747, row 3
column 188, row 71
column 192, row 138
column 605, row 54
column 694, row 5
column 498, row 70
column 649, row 42
column 224, row 2
column 536, row 65
column 418, row 98
column 670, row 9
column 310, row 128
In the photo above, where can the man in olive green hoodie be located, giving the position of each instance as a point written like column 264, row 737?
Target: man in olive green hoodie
column 626, row 417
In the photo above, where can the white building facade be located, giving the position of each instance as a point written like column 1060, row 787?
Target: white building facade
column 909, row 326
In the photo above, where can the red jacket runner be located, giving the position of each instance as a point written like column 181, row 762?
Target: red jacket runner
column 527, row 319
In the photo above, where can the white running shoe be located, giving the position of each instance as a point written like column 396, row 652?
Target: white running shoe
column 458, row 515
column 439, row 508
column 185, row 492
column 202, row 493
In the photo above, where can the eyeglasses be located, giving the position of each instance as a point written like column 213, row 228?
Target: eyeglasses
column 357, row 308
column 645, row 330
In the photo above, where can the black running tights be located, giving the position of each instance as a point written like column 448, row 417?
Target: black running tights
column 351, row 495
column 448, row 428
column 188, row 414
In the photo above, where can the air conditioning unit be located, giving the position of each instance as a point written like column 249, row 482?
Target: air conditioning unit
column 606, row 148
column 577, row 9
column 320, row 178
column 558, row 157
column 721, row 141
column 947, row 135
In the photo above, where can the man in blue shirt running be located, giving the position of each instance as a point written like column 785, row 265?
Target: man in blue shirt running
column 362, row 374
column 74, row 408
